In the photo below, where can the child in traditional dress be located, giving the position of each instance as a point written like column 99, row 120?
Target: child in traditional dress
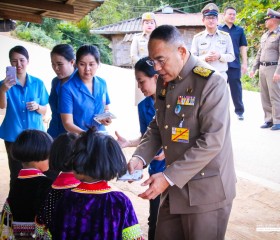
column 61, row 150
column 93, row 210
column 26, row 195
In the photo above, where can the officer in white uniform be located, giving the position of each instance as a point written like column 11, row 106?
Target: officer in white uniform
column 212, row 45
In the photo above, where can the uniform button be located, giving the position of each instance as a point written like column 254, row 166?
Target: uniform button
column 166, row 126
column 23, row 111
column 202, row 173
column 165, row 147
column 168, row 106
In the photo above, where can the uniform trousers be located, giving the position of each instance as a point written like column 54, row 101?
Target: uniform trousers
column 210, row 225
column 14, row 165
column 270, row 94
column 234, row 75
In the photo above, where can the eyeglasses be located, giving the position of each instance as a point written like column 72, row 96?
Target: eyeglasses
column 155, row 62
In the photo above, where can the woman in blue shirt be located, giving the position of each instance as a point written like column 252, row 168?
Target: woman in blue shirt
column 63, row 60
column 25, row 99
column 146, row 78
column 85, row 95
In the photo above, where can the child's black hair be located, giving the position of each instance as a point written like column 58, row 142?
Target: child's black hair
column 98, row 155
column 60, row 153
column 32, row 145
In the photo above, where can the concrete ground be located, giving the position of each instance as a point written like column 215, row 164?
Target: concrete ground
column 256, row 209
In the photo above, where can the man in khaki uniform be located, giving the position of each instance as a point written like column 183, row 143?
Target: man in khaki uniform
column 192, row 125
column 268, row 63
column 212, row 45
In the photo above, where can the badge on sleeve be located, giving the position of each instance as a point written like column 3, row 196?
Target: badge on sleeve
column 186, row 100
column 180, row 135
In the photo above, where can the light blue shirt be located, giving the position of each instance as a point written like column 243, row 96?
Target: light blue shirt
column 76, row 99
column 17, row 117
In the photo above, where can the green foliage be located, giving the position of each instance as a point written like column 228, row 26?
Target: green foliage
column 53, row 32
column 34, row 34
column 250, row 84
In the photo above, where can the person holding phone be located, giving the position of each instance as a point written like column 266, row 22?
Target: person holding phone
column 85, row 95
column 63, row 61
column 25, row 98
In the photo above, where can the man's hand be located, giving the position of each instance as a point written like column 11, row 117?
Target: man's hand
column 157, row 185
column 135, row 163
column 244, row 68
column 251, row 74
column 276, row 77
column 213, row 56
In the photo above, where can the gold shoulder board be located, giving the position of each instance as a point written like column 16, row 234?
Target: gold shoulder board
column 203, row 72
column 225, row 33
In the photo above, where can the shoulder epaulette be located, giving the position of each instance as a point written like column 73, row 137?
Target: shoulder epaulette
column 203, row 72
column 198, row 34
column 223, row 32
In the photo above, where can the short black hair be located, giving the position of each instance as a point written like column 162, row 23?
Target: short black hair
column 88, row 49
column 32, row 146
column 98, row 155
column 64, row 50
column 144, row 67
column 19, row 49
column 229, row 7
column 168, row 34
column 60, row 152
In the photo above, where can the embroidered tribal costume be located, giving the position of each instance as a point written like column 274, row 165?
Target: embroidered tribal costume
column 93, row 211
column 64, row 182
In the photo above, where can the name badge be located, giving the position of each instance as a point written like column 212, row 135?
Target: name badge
column 180, row 135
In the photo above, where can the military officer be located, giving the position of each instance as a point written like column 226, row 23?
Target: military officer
column 192, row 125
column 212, row 45
column 268, row 63
column 139, row 45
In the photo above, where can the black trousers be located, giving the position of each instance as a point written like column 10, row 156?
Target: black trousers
column 14, row 165
column 152, row 220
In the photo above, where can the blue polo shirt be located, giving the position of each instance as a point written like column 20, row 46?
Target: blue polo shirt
column 146, row 112
column 56, row 127
column 238, row 39
column 17, row 117
column 76, row 99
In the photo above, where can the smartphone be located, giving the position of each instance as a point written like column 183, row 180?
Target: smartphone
column 136, row 176
column 11, row 72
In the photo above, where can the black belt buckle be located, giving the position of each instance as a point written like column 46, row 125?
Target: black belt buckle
column 264, row 64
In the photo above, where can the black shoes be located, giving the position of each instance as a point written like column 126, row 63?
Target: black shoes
column 267, row 125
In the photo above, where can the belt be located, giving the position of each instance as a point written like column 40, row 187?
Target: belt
column 268, row 63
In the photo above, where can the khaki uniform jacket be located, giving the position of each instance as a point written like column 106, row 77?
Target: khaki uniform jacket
column 221, row 42
column 139, row 47
column 203, row 169
column 269, row 50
